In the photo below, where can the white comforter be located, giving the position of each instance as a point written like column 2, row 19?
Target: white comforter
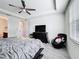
column 13, row 48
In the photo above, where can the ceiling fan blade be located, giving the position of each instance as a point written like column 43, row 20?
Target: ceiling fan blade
column 23, row 3
column 54, row 2
column 15, row 6
column 30, row 9
column 12, row 5
column 28, row 12
column 20, row 11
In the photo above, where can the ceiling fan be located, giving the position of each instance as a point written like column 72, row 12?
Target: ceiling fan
column 23, row 8
column 54, row 2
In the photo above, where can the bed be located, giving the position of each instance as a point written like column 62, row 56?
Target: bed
column 28, row 48
column 17, row 48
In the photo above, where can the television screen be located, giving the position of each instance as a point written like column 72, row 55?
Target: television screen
column 40, row 28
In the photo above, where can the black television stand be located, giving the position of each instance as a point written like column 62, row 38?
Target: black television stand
column 40, row 35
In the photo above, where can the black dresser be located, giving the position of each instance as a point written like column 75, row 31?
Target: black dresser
column 40, row 35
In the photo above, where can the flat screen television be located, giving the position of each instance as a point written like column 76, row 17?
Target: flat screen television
column 40, row 28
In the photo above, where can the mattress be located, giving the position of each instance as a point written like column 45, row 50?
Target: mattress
column 16, row 48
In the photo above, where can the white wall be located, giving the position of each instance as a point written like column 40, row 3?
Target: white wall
column 72, row 14
column 13, row 25
column 46, row 15
column 54, row 24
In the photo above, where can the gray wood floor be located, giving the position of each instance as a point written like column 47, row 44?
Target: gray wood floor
column 52, row 53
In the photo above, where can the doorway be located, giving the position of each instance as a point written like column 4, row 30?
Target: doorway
column 23, row 28
column 3, row 27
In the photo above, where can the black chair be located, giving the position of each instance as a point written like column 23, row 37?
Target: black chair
column 62, row 44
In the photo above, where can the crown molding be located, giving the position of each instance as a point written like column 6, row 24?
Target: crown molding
column 45, row 13
column 8, row 13
column 41, row 14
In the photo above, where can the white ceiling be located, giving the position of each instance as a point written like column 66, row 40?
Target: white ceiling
column 41, row 6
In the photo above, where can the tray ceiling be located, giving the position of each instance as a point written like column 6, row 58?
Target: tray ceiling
column 39, row 5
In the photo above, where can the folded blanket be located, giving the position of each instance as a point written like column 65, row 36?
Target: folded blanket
column 12, row 48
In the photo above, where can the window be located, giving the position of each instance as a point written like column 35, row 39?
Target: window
column 74, row 20
column 74, row 29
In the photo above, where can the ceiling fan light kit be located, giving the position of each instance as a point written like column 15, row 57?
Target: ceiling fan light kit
column 23, row 8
